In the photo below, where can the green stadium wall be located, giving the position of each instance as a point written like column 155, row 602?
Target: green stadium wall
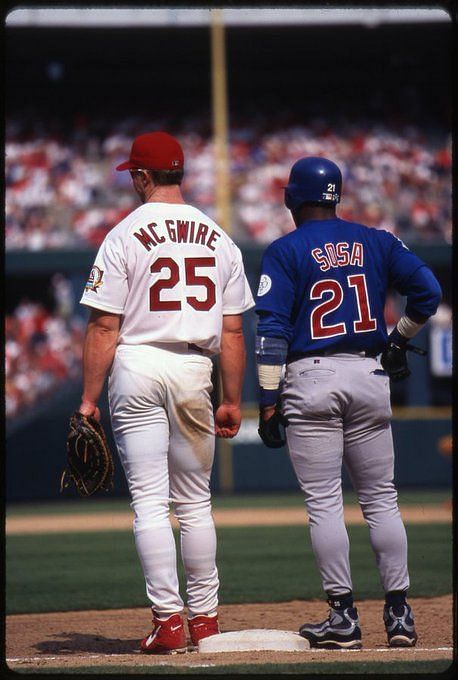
column 36, row 454
column 35, row 443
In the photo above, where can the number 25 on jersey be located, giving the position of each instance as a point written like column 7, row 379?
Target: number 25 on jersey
column 157, row 304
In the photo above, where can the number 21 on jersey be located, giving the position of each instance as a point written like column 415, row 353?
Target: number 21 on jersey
column 364, row 324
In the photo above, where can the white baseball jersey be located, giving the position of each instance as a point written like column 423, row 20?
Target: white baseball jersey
column 172, row 273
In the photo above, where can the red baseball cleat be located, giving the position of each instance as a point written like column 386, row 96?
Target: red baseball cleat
column 167, row 637
column 202, row 626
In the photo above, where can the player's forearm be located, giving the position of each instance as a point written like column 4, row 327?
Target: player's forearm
column 271, row 353
column 232, row 366
column 274, row 325
column 98, row 354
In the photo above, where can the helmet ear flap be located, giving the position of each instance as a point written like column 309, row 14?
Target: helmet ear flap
column 288, row 199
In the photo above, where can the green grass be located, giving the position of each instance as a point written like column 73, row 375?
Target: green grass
column 335, row 668
column 293, row 499
column 61, row 572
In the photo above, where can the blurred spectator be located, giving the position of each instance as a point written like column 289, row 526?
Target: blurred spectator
column 441, row 342
column 63, row 191
column 42, row 351
column 63, row 295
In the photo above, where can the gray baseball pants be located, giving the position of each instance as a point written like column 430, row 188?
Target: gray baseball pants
column 339, row 410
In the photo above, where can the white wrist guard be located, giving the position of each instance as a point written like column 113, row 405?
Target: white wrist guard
column 407, row 327
column 269, row 376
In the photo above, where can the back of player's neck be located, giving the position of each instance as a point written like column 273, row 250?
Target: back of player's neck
column 315, row 212
column 165, row 194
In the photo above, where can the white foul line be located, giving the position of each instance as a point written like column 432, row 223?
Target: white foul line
column 389, row 649
column 26, row 659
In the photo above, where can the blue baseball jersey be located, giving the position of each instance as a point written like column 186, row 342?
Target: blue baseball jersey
column 323, row 286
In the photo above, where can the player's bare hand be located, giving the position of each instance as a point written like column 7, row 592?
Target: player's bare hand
column 227, row 420
column 87, row 408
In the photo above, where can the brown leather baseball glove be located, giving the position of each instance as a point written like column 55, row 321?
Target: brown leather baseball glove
column 90, row 463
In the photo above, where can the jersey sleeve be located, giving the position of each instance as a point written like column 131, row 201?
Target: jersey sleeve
column 424, row 295
column 411, row 277
column 107, row 287
column 276, row 293
column 402, row 263
column 237, row 297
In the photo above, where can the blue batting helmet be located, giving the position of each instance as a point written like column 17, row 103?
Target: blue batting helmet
column 313, row 180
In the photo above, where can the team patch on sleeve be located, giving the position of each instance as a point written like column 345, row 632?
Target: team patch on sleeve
column 265, row 284
column 95, row 279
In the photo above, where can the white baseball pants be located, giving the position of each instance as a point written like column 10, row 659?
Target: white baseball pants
column 339, row 410
column 162, row 421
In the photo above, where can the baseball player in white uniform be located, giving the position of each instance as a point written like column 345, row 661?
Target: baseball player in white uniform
column 167, row 292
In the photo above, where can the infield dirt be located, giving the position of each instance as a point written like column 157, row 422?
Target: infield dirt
column 111, row 637
column 101, row 638
column 122, row 521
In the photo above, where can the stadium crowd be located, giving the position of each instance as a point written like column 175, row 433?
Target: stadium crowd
column 62, row 189
column 43, row 349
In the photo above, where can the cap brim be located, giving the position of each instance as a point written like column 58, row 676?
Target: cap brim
column 127, row 165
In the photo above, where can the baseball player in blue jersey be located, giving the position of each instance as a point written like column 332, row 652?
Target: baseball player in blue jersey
column 321, row 304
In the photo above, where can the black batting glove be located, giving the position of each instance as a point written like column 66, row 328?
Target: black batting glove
column 270, row 430
column 394, row 356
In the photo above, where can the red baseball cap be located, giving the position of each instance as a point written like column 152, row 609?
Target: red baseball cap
column 154, row 151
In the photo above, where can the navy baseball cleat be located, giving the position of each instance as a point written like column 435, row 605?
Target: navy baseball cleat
column 341, row 630
column 399, row 625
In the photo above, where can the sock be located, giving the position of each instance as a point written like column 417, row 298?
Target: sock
column 164, row 617
column 341, row 601
column 397, row 600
